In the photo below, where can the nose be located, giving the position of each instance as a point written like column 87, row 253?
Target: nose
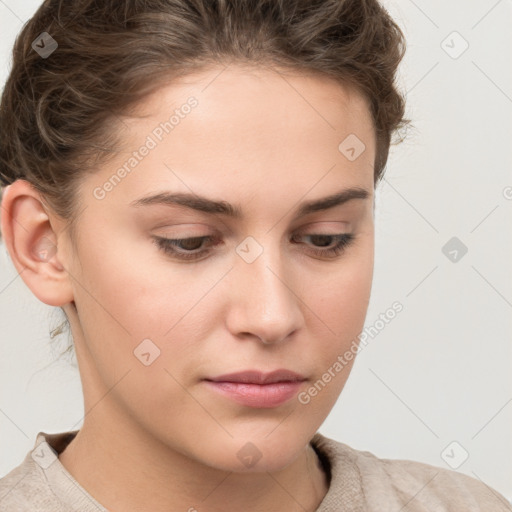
column 265, row 298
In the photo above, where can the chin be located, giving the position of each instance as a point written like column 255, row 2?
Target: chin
column 251, row 455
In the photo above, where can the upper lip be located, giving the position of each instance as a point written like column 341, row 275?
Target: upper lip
column 258, row 377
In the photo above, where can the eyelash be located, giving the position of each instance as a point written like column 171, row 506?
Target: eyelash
column 168, row 245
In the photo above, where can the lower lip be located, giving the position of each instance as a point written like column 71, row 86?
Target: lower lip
column 257, row 395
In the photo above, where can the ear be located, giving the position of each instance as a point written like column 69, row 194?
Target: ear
column 32, row 244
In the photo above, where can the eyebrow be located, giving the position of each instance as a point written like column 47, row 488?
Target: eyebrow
column 211, row 206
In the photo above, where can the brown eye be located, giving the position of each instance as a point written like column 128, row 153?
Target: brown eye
column 182, row 248
column 190, row 244
column 341, row 242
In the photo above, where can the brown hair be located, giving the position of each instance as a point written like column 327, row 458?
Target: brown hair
column 58, row 114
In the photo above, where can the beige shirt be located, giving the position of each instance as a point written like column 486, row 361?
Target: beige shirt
column 359, row 481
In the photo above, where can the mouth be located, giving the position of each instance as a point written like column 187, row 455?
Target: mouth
column 256, row 389
column 258, row 377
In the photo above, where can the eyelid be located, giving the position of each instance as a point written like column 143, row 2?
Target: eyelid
column 184, row 225
column 331, row 224
column 211, row 231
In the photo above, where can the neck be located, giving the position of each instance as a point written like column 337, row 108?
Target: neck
column 130, row 471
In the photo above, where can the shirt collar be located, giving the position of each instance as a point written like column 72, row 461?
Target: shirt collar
column 344, row 479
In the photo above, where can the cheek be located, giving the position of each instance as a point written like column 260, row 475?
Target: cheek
column 130, row 285
column 342, row 293
column 338, row 311
column 132, row 293
column 339, row 303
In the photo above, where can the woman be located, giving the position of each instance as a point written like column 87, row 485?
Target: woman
column 192, row 182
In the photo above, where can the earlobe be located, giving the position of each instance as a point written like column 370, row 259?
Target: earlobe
column 32, row 244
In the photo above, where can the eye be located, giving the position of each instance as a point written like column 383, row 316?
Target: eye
column 183, row 248
column 327, row 245
column 192, row 248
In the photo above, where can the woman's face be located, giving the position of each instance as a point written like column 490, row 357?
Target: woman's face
column 259, row 292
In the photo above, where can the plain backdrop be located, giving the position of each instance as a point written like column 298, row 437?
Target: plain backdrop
column 435, row 383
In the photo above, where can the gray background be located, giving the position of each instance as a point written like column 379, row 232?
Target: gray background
column 435, row 383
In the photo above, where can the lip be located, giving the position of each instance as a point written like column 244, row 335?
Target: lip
column 258, row 377
column 256, row 389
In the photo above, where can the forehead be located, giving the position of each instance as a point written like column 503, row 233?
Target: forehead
column 252, row 88
column 257, row 130
column 258, row 100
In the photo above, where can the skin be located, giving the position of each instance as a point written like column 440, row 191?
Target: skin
column 164, row 441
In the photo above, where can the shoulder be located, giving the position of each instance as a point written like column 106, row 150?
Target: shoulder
column 392, row 484
column 26, row 489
